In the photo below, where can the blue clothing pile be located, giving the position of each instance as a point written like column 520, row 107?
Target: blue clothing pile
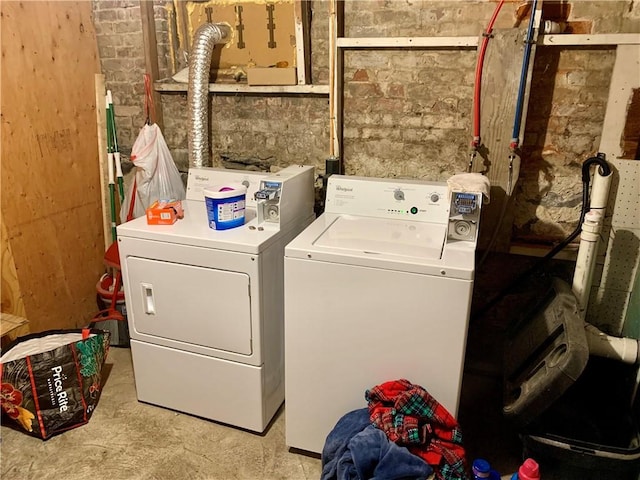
column 357, row 450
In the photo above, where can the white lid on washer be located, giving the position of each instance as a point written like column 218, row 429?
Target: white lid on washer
column 385, row 236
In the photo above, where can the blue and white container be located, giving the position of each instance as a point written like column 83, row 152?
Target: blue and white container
column 481, row 469
column 225, row 205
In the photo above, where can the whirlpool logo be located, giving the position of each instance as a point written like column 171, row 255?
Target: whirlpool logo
column 343, row 189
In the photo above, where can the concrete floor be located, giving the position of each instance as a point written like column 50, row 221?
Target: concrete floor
column 126, row 439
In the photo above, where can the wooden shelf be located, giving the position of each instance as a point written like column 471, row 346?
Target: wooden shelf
column 594, row 39
column 470, row 42
column 230, row 88
column 406, row 42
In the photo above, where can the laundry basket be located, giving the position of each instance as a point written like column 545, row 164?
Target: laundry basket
column 576, row 413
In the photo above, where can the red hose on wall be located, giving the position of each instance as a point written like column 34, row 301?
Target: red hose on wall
column 478, row 81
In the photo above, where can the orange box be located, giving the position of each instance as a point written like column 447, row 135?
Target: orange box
column 164, row 212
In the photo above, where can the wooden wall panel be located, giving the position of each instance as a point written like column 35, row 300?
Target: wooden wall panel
column 51, row 204
column 12, row 317
column 500, row 82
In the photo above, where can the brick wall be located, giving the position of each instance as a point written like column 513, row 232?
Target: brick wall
column 564, row 126
column 119, row 34
column 407, row 112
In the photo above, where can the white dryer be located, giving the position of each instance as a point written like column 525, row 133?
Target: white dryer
column 377, row 288
column 205, row 307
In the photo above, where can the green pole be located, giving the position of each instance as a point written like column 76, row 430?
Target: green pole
column 112, row 189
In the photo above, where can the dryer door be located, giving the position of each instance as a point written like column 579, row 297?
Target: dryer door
column 190, row 304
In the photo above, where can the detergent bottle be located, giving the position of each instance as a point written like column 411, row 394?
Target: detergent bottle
column 482, row 470
column 529, row 470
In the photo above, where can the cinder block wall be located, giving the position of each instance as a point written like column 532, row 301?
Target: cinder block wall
column 407, row 112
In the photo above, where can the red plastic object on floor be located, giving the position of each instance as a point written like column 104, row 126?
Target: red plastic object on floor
column 110, row 287
column 111, row 301
column 529, row 470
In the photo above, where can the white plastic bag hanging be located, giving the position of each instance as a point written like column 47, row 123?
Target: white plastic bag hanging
column 156, row 176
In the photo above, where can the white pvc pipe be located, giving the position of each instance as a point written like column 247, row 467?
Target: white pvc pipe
column 600, row 344
column 600, row 190
column 590, row 239
column 617, row 348
column 586, row 261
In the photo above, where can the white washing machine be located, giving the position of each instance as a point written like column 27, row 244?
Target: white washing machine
column 376, row 289
column 205, row 307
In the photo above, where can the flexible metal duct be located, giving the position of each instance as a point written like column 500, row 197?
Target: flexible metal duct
column 206, row 38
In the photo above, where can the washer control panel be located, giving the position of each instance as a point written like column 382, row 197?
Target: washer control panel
column 464, row 216
column 415, row 200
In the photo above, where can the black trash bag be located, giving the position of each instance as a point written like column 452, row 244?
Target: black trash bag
column 51, row 381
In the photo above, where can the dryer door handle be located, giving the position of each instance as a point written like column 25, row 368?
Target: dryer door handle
column 147, row 298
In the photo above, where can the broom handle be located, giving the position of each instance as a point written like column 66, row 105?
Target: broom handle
column 111, row 120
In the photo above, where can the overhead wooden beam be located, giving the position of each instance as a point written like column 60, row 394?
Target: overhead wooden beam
column 472, row 42
column 407, row 42
column 249, row 89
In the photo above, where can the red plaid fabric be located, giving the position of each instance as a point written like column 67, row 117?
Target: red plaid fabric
column 413, row 418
